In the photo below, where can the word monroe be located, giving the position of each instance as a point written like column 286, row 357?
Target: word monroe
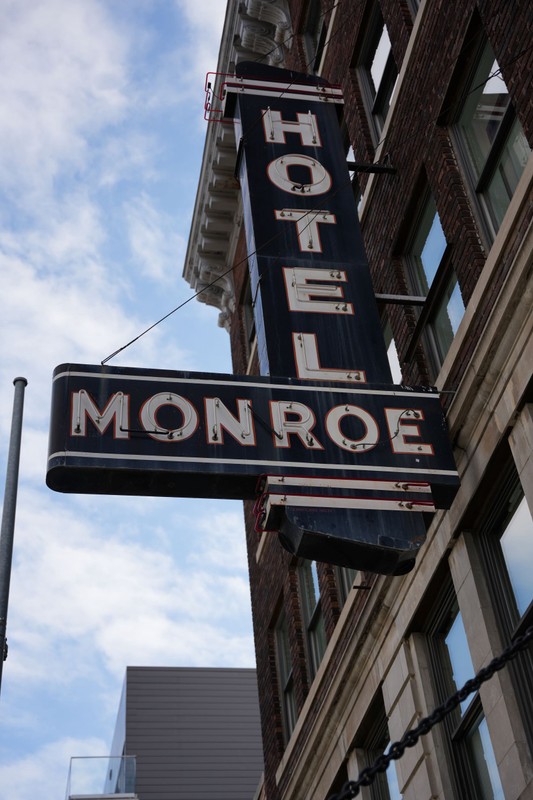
column 172, row 418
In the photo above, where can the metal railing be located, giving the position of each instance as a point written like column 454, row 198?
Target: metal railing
column 101, row 776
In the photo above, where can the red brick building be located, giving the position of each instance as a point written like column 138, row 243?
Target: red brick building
column 441, row 92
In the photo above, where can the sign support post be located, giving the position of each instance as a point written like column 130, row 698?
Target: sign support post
column 8, row 514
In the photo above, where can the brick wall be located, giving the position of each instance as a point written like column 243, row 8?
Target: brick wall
column 419, row 146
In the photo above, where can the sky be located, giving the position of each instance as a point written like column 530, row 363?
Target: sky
column 101, row 139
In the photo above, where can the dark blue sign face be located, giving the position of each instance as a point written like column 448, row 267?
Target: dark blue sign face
column 315, row 310
column 129, row 431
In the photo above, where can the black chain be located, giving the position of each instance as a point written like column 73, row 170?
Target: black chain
column 396, row 750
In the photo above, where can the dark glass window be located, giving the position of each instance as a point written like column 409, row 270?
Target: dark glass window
column 346, row 577
column 473, row 730
column 473, row 764
column 491, row 141
column 392, row 353
column 312, row 614
column 504, row 535
column 375, row 740
column 248, row 319
column 516, row 543
column 377, row 73
column 285, row 675
column 314, row 36
column 432, row 275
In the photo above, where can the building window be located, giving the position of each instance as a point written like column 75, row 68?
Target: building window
column 312, row 615
column 375, row 741
column 473, row 729
column 490, row 140
column 345, row 580
column 377, row 73
column 354, row 179
column 516, row 543
column 392, row 353
column 414, row 5
column 248, row 320
column 285, row 675
column 474, row 768
column 314, row 36
column 504, row 536
column 432, row 276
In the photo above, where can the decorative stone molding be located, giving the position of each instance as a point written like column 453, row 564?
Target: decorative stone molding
column 254, row 30
column 265, row 28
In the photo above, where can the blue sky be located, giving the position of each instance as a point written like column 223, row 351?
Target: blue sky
column 101, row 138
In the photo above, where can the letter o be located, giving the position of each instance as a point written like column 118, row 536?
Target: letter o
column 278, row 172
column 333, row 427
column 148, row 415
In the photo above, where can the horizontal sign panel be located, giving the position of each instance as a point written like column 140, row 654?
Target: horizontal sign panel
column 121, row 430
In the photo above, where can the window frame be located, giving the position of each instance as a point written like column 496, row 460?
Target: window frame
column 477, row 185
column 285, row 672
column 488, row 532
column 248, row 321
column 374, row 97
column 345, row 577
column 460, row 724
column 313, row 617
column 445, row 273
column 314, row 35
column 373, row 740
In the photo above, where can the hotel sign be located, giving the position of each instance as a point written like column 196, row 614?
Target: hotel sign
column 335, row 455
column 129, row 431
column 315, row 311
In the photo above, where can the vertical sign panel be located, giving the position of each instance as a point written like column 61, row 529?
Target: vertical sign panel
column 316, row 316
column 315, row 311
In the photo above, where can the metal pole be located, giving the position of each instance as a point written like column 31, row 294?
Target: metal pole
column 8, row 514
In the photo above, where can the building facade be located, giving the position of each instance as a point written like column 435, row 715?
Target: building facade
column 194, row 733
column 439, row 93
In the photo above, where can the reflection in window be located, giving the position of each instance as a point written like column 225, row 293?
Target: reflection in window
column 459, row 655
column 504, row 536
column 392, row 354
column 491, row 139
column 376, row 742
column 312, row 613
column 391, row 777
column 432, row 276
column 475, row 733
column 378, row 73
column 482, row 753
column 472, row 764
column 314, row 35
column 517, row 547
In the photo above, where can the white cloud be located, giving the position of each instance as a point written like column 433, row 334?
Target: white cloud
column 224, row 540
column 208, row 16
column 119, row 157
column 155, row 245
column 44, row 772
column 206, row 21
column 62, row 75
column 114, row 601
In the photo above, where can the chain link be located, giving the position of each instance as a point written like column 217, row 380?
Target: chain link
column 409, row 739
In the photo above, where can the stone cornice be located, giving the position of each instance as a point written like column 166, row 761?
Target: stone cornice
column 254, row 30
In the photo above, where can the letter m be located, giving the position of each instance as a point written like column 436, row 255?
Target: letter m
column 115, row 411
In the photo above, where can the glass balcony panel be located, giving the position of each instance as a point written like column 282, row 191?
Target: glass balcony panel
column 101, row 776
